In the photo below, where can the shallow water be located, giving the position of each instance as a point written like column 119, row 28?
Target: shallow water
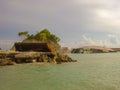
column 91, row 72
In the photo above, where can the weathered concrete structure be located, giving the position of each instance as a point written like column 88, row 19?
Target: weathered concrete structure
column 32, row 52
column 37, row 47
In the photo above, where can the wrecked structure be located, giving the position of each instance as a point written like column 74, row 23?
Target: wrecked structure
column 37, row 47
column 28, row 52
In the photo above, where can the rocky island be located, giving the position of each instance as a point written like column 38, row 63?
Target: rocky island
column 41, row 47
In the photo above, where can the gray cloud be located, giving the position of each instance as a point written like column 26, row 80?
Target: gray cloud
column 69, row 19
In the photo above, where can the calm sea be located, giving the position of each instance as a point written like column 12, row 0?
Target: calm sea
column 91, row 72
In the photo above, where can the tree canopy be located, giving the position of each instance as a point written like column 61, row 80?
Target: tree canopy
column 43, row 35
column 25, row 33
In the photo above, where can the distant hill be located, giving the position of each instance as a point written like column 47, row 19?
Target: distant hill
column 92, row 49
column 116, row 49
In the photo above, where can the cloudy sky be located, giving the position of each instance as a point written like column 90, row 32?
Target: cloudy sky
column 76, row 22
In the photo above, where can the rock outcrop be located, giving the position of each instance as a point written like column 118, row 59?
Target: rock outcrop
column 32, row 52
column 6, row 61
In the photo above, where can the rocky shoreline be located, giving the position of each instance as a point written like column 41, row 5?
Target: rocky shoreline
column 15, row 57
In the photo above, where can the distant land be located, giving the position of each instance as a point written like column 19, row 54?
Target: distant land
column 94, row 49
column 116, row 49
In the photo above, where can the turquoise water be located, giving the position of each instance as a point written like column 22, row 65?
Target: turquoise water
column 91, row 72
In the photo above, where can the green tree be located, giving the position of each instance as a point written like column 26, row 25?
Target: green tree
column 43, row 35
column 23, row 35
column 30, row 37
column 54, row 38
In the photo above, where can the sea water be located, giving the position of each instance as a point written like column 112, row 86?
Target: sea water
column 90, row 72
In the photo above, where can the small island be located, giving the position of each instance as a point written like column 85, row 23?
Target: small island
column 93, row 49
column 40, row 47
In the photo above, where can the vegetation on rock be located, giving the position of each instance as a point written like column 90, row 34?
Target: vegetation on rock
column 48, row 50
column 41, row 36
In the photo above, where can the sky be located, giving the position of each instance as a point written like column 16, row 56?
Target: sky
column 77, row 22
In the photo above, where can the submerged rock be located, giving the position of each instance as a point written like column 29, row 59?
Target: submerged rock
column 64, row 58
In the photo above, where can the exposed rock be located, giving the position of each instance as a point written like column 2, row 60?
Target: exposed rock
column 6, row 61
column 64, row 58
column 32, row 52
column 29, row 57
column 11, row 57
